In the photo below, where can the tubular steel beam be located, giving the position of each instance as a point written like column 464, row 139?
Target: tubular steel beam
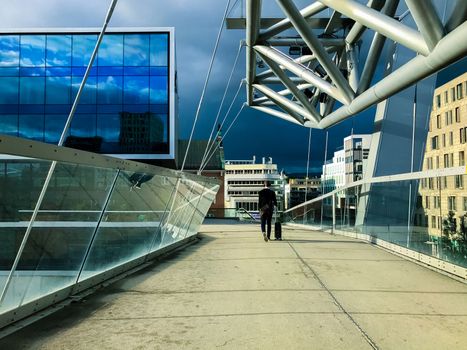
column 253, row 15
column 449, row 49
column 458, row 16
column 285, row 24
column 284, row 92
column 298, row 94
column 313, row 43
column 389, row 27
column 284, row 103
column 357, row 29
column 277, row 113
column 375, row 50
column 301, row 71
column 427, row 20
column 301, row 42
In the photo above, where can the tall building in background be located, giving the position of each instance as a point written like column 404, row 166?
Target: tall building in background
column 299, row 190
column 346, row 166
column 444, row 202
column 127, row 108
column 245, row 178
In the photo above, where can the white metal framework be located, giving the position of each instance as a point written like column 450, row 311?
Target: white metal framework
column 322, row 84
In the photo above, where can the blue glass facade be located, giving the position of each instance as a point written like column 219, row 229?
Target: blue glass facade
column 125, row 106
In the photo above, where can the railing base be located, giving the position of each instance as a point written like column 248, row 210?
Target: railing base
column 438, row 265
column 27, row 314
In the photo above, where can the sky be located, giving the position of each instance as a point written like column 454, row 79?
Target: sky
column 196, row 25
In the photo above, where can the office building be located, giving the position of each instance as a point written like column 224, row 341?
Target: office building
column 245, row 178
column 446, row 147
column 299, row 190
column 127, row 108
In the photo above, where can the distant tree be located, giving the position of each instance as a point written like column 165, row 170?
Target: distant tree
column 449, row 227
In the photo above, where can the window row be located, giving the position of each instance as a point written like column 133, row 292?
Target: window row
column 442, row 183
column 63, row 50
column 123, row 128
column 80, row 71
column 256, row 171
column 100, row 90
column 449, row 118
column 450, row 95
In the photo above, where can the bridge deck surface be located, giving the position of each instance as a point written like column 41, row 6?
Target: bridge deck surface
column 232, row 290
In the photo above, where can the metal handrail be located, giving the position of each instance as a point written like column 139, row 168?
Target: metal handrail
column 388, row 178
column 24, row 148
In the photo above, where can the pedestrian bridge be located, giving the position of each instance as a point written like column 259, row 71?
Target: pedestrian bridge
column 231, row 290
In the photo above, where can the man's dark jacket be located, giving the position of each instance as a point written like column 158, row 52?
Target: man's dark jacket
column 267, row 196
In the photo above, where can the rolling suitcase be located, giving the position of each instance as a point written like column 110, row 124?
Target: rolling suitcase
column 277, row 228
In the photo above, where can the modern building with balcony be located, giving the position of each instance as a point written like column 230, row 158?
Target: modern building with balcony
column 245, row 178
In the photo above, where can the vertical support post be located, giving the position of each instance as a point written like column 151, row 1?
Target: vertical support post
column 333, row 213
column 101, row 216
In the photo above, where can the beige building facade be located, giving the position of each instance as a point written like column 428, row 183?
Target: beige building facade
column 442, row 201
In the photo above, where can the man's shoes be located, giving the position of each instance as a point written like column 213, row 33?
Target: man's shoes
column 265, row 237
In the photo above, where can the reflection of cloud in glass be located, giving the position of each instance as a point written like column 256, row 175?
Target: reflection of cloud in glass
column 136, row 90
column 9, row 50
column 159, row 46
column 136, row 50
column 89, row 94
column 32, row 50
column 111, row 51
column 158, row 93
column 58, row 50
column 109, row 90
column 83, row 46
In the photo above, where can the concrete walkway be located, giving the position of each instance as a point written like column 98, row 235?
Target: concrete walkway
column 234, row 291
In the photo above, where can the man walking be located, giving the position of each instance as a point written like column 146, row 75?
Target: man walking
column 266, row 202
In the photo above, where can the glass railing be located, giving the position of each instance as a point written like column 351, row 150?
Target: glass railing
column 430, row 217
column 97, row 214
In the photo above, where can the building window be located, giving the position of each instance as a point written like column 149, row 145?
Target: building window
column 463, row 135
column 438, row 121
column 459, row 181
column 430, row 183
column 438, row 101
column 459, row 91
column 437, row 162
column 444, row 140
column 433, row 221
column 453, row 94
column 437, row 201
column 446, row 97
column 461, row 158
column 435, row 142
column 464, row 199
column 458, row 114
column 451, row 138
column 452, row 203
column 446, row 160
column 427, row 202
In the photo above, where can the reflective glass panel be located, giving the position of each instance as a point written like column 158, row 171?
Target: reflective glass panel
column 31, row 126
column 58, row 52
column 83, row 46
column 9, row 124
column 84, row 125
column 57, row 90
column 9, row 50
column 54, row 125
column 89, row 93
column 109, row 90
column 159, row 49
column 131, row 222
column 9, row 90
column 111, row 50
column 32, row 51
column 136, row 50
column 136, row 90
column 32, row 90
column 61, row 233
column 158, row 89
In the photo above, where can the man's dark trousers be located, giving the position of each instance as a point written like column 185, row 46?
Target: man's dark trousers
column 266, row 218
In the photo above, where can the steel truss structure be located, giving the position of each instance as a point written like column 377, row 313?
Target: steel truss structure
column 323, row 85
